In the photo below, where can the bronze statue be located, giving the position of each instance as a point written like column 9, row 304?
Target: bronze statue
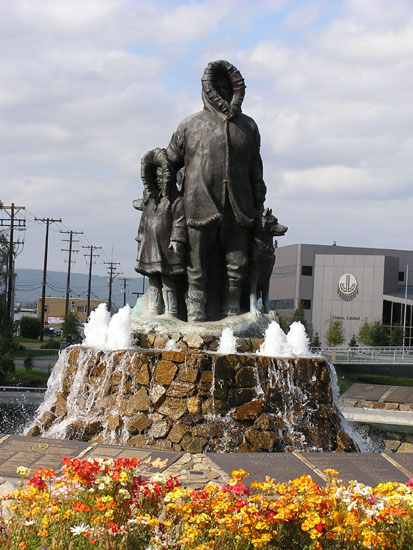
column 162, row 234
column 223, row 194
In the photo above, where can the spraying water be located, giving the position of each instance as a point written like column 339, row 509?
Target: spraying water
column 171, row 345
column 104, row 332
column 277, row 344
column 298, row 340
column 227, row 342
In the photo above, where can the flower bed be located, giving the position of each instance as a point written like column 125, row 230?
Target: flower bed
column 107, row 505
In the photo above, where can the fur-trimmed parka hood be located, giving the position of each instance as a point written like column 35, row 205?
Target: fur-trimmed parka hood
column 222, row 71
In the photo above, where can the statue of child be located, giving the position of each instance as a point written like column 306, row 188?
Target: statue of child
column 162, row 235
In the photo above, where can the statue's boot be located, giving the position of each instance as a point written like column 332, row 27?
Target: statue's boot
column 195, row 305
column 171, row 302
column 232, row 304
column 154, row 300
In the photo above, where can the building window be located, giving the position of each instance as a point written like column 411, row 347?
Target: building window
column 283, row 304
column 80, row 309
column 46, row 308
column 307, row 270
column 401, row 276
column 306, row 304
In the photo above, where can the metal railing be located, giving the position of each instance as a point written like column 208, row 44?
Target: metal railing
column 366, row 354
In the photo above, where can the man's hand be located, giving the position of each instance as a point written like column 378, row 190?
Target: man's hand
column 179, row 248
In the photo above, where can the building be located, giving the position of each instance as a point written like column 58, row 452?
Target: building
column 346, row 283
column 55, row 309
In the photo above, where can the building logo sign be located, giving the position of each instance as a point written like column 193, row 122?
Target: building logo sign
column 347, row 287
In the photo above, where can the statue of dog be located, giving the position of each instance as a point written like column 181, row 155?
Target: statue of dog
column 263, row 258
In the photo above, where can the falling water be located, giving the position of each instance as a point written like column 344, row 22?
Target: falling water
column 364, row 442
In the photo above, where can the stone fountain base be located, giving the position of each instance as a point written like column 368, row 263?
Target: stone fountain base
column 192, row 401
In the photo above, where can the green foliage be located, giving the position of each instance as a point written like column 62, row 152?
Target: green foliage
column 71, row 325
column 353, row 342
column 29, row 327
column 284, row 324
column 335, row 334
column 379, row 334
column 396, row 336
column 315, row 340
column 22, row 377
column 385, row 380
column 364, row 336
column 28, row 362
column 299, row 316
column 51, row 344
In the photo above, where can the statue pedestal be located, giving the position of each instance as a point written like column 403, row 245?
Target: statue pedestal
column 154, row 331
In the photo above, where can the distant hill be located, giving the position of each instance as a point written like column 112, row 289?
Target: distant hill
column 29, row 286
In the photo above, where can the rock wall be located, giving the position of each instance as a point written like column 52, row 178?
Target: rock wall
column 192, row 401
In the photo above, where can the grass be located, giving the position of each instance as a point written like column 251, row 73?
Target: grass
column 21, row 377
column 32, row 341
column 21, row 354
column 384, row 380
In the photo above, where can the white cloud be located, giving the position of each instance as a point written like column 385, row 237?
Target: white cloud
column 86, row 88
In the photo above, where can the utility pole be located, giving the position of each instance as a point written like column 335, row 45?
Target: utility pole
column 92, row 248
column 47, row 221
column 112, row 274
column 13, row 223
column 69, row 263
column 124, row 279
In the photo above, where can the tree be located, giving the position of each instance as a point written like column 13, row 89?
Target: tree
column 315, row 340
column 299, row 315
column 71, row 325
column 28, row 362
column 364, row 336
column 282, row 321
column 396, row 336
column 353, row 341
column 335, row 335
column 29, row 327
column 379, row 334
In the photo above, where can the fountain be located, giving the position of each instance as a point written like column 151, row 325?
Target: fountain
column 192, row 401
column 201, row 376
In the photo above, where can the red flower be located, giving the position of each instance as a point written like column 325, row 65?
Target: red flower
column 37, row 482
column 410, row 482
column 114, row 527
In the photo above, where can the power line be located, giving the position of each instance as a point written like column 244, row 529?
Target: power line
column 69, row 263
column 48, row 222
column 13, row 223
column 123, row 290
column 89, row 286
column 112, row 274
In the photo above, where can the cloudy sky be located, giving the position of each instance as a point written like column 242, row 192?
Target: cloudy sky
column 88, row 86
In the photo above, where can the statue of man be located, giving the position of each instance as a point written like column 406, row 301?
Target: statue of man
column 223, row 185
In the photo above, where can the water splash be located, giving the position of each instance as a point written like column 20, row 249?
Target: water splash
column 106, row 333
column 277, row 344
column 171, row 345
column 364, row 442
column 227, row 342
column 298, row 340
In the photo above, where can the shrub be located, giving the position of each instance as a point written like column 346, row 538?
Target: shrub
column 28, row 362
column 29, row 327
